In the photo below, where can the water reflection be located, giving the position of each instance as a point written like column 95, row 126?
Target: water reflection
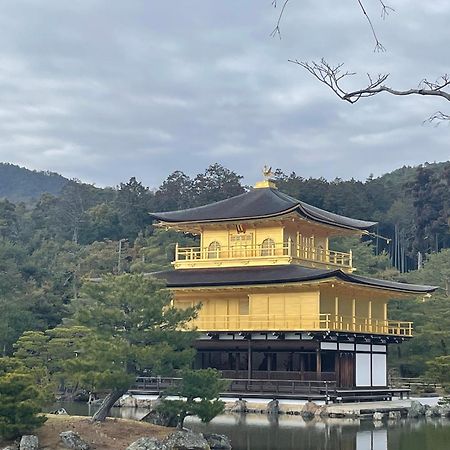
column 85, row 409
column 261, row 432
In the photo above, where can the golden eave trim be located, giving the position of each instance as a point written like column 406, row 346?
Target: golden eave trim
column 293, row 284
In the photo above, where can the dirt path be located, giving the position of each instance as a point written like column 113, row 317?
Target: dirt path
column 114, row 434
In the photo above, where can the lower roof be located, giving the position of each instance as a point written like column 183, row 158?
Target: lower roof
column 238, row 276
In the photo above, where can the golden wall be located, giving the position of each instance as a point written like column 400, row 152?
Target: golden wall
column 293, row 308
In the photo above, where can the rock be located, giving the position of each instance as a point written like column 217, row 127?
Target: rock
column 273, row 407
column 60, row 412
column 378, row 416
column 309, row 410
column 72, row 440
column 186, row 440
column 147, row 443
column 29, row 442
column 128, row 402
column 394, row 415
column 11, row 447
column 163, row 419
column 239, row 406
column 145, row 403
column 416, row 410
column 434, row 411
column 217, row 441
column 81, row 396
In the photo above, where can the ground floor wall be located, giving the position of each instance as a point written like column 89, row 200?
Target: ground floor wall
column 347, row 364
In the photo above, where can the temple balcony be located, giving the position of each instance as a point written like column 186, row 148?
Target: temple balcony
column 261, row 255
column 291, row 323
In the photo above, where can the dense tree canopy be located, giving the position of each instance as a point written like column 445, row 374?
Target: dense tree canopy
column 50, row 247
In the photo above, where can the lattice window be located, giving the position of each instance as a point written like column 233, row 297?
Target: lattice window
column 213, row 250
column 268, row 247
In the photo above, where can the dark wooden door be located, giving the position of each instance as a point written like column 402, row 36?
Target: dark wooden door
column 346, row 369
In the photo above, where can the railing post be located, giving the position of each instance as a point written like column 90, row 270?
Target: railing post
column 289, row 246
column 350, row 258
column 176, row 251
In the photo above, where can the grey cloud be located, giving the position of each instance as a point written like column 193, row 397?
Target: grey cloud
column 103, row 91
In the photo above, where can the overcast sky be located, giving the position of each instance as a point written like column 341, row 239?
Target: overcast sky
column 104, row 90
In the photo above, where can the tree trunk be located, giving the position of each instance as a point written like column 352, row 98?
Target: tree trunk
column 107, row 404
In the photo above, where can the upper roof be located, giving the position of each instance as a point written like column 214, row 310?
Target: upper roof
column 235, row 276
column 256, row 204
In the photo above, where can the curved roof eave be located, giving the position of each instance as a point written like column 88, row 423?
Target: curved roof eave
column 191, row 278
column 258, row 204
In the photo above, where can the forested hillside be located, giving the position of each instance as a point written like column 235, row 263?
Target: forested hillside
column 18, row 184
column 77, row 231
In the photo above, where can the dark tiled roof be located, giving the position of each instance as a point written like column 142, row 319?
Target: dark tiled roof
column 236, row 276
column 259, row 203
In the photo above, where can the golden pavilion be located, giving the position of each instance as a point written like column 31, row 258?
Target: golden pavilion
column 277, row 303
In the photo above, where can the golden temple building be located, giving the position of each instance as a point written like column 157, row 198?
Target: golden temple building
column 277, row 303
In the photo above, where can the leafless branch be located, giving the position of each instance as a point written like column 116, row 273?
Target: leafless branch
column 332, row 76
column 378, row 46
column 437, row 118
column 276, row 31
column 385, row 10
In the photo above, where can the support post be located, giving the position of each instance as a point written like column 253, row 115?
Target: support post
column 336, row 312
column 354, row 314
column 318, row 365
column 302, row 365
column 249, row 359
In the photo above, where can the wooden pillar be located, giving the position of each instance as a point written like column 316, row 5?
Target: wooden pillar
column 336, row 312
column 318, row 365
column 249, row 359
column 385, row 313
column 302, row 365
column 336, row 366
column 354, row 314
column 370, row 316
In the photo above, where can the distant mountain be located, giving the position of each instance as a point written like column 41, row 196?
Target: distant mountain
column 18, row 184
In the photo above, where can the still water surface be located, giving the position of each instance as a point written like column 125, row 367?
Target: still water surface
column 260, row 432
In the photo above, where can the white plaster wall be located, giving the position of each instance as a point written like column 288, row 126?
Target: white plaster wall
column 363, row 369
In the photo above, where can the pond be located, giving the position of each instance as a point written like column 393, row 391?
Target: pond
column 261, row 432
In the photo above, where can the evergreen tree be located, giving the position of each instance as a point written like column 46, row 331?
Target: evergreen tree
column 215, row 184
column 176, row 192
column 134, row 329
column 20, row 400
column 198, row 395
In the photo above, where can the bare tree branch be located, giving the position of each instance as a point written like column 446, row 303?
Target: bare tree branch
column 378, row 46
column 276, row 31
column 332, row 75
column 437, row 118
column 385, row 10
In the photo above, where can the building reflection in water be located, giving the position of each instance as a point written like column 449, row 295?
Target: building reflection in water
column 261, row 432
column 372, row 440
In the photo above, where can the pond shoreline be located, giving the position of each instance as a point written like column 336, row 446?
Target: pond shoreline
column 378, row 410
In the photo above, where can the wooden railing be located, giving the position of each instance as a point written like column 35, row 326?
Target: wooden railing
column 240, row 385
column 294, row 322
column 258, row 251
